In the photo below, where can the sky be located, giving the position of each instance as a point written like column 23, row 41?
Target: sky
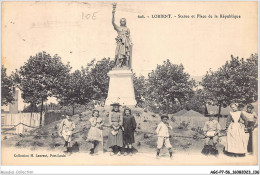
column 81, row 31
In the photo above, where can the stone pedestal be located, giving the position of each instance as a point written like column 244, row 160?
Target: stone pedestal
column 121, row 87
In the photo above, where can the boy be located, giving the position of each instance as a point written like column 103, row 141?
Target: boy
column 162, row 132
column 211, row 130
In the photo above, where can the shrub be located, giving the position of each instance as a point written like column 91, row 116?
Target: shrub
column 183, row 125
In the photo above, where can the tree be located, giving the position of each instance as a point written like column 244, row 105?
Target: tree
column 197, row 102
column 140, row 89
column 7, row 86
column 168, row 85
column 41, row 77
column 235, row 81
column 245, row 77
column 76, row 90
column 96, row 72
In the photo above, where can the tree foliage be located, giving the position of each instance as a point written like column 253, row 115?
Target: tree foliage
column 168, row 84
column 235, row 81
column 7, row 85
column 197, row 102
column 99, row 80
column 75, row 90
column 140, row 89
column 41, row 77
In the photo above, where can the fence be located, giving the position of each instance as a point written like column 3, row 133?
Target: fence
column 9, row 120
column 21, row 122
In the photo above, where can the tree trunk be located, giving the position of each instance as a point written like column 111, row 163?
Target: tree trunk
column 206, row 109
column 41, row 114
column 167, row 106
column 73, row 109
column 219, row 111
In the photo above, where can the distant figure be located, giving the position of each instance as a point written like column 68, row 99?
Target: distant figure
column 129, row 126
column 124, row 43
column 65, row 130
column 236, row 137
column 95, row 135
column 211, row 131
column 162, row 132
column 115, row 136
column 252, row 123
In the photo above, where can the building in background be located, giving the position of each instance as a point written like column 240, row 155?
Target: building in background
column 17, row 105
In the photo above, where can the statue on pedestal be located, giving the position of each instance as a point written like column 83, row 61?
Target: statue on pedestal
column 123, row 54
column 121, row 86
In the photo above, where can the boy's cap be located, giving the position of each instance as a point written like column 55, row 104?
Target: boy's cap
column 164, row 116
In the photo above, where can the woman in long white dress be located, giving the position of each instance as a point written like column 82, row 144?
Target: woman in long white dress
column 236, row 137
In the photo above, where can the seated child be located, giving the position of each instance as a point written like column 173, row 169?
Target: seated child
column 211, row 130
column 162, row 132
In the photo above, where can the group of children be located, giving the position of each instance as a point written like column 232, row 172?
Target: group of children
column 122, row 128
column 121, row 134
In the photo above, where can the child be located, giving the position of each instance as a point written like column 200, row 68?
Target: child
column 162, row 132
column 129, row 126
column 65, row 129
column 95, row 133
column 211, row 130
column 115, row 136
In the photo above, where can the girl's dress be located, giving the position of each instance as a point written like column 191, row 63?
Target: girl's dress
column 236, row 137
column 95, row 132
column 65, row 129
column 115, row 137
column 129, row 125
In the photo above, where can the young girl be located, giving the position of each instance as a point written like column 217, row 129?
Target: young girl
column 95, row 133
column 115, row 136
column 129, row 125
column 65, row 130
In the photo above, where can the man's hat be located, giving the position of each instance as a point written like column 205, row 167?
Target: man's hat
column 115, row 104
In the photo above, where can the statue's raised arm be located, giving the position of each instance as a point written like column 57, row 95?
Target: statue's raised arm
column 123, row 53
column 113, row 17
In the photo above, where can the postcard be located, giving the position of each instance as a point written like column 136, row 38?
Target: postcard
column 129, row 83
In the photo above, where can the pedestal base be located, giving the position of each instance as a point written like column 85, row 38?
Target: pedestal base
column 121, row 88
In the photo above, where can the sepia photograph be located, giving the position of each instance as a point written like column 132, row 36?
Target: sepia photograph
column 129, row 83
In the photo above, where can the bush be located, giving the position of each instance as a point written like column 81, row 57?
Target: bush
column 183, row 125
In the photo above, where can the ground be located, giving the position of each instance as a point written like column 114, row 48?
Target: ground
column 47, row 138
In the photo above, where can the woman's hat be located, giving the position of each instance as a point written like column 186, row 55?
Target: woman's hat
column 164, row 116
column 115, row 104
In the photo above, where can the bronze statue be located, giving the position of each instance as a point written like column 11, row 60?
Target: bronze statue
column 123, row 55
